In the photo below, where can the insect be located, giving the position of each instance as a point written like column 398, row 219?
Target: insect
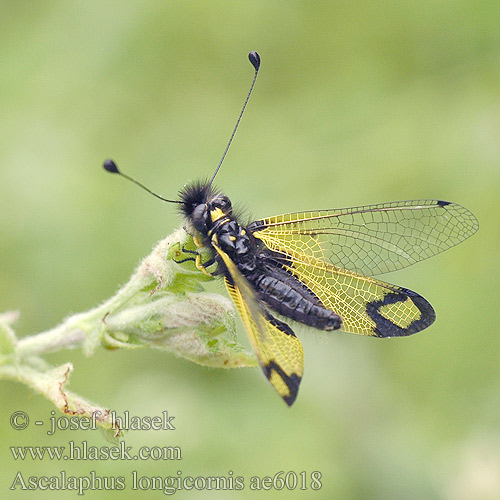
column 315, row 267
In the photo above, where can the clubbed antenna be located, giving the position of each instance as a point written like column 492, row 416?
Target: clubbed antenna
column 111, row 167
column 255, row 60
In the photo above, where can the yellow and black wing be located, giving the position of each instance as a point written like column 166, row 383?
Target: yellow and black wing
column 366, row 305
column 279, row 351
column 371, row 239
column 329, row 251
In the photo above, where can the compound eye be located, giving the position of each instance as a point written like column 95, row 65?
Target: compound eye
column 224, row 203
column 200, row 217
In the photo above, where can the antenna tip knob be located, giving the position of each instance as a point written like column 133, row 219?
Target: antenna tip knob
column 110, row 166
column 254, row 59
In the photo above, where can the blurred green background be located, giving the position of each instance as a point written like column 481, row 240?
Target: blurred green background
column 357, row 102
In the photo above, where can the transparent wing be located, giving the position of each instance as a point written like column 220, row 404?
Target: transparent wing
column 367, row 306
column 279, row 351
column 372, row 239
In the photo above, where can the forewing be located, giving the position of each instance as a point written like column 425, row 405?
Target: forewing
column 279, row 351
column 367, row 306
column 372, row 239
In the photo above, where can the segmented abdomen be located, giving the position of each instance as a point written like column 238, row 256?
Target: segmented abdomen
column 283, row 293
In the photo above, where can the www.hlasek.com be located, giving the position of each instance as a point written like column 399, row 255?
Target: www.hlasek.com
column 169, row 484
column 84, row 451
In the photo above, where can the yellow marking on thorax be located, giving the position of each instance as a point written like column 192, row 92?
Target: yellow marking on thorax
column 216, row 214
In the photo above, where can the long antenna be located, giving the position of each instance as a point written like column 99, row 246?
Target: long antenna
column 111, row 167
column 255, row 60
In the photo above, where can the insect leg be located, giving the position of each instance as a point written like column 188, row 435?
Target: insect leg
column 187, row 259
column 185, row 250
column 201, row 266
column 197, row 259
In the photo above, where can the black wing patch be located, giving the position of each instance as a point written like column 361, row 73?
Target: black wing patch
column 385, row 327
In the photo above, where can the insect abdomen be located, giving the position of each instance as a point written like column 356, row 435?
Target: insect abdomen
column 282, row 293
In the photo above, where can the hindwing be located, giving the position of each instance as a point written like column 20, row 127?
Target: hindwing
column 367, row 306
